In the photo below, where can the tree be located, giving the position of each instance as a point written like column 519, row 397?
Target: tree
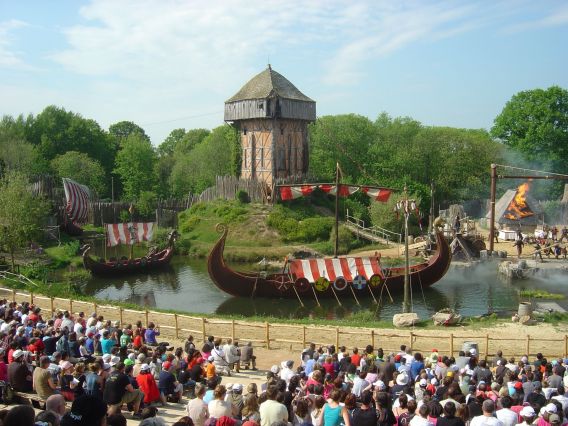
column 190, row 140
column 16, row 153
column 121, row 130
column 135, row 166
column 213, row 157
column 343, row 138
column 81, row 168
column 55, row 131
column 172, row 140
column 20, row 212
column 535, row 122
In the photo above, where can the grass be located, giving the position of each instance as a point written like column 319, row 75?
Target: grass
column 540, row 294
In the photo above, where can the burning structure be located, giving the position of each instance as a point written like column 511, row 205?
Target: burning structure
column 516, row 209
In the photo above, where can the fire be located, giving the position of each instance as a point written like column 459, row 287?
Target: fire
column 518, row 208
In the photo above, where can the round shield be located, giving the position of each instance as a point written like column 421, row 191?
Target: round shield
column 340, row 284
column 375, row 280
column 321, row 284
column 302, row 285
column 359, row 282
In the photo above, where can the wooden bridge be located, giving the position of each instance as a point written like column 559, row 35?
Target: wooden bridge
column 375, row 234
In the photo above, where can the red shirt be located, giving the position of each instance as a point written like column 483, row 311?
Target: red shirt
column 148, row 385
column 137, row 342
column 356, row 359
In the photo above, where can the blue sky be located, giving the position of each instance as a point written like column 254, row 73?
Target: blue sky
column 171, row 64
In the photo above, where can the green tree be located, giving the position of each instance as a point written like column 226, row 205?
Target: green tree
column 81, row 168
column 20, row 213
column 196, row 171
column 15, row 152
column 343, row 138
column 172, row 140
column 55, row 131
column 121, row 130
column 535, row 122
column 135, row 164
column 190, row 140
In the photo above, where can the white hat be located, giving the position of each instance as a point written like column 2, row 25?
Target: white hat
column 132, row 356
column 141, row 357
column 472, row 352
column 275, row 369
column 423, row 382
column 114, row 360
column 18, row 353
column 144, row 367
column 107, row 357
column 237, row 387
column 379, row 384
column 550, row 408
column 106, row 366
column 527, row 411
column 401, row 379
column 434, row 381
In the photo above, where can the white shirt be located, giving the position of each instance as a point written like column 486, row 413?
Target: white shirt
column 485, row 421
column 418, row 420
column 562, row 399
column 507, row 416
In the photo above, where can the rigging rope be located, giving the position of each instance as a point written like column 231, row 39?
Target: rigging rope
column 530, row 170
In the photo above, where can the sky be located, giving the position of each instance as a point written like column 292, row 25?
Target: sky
column 172, row 64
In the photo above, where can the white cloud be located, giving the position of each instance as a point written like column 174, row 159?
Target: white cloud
column 556, row 18
column 9, row 58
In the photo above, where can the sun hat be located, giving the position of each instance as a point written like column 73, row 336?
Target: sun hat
column 141, row 357
column 275, row 369
column 132, row 356
column 128, row 361
column 17, row 353
column 144, row 367
column 66, row 365
column 237, row 387
column 423, row 383
column 401, row 379
column 379, row 384
column 550, row 408
column 114, row 360
column 107, row 357
column 434, row 382
column 527, row 411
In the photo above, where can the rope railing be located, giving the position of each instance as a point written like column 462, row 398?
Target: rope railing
column 289, row 336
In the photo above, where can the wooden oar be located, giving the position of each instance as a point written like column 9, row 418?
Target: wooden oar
column 335, row 294
column 315, row 295
column 297, row 295
column 353, row 292
column 372, row 294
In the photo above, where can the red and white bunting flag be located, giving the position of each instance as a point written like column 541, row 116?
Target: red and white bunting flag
column 129, row 233
column 77, row 197
column 377, row 194
column 292, row 192
column 344, row 190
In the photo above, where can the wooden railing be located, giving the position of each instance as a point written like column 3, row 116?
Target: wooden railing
column 293, row 336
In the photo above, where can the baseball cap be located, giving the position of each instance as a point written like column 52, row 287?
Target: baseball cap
column 527, row 411
column 144, row 367
column 166, row 365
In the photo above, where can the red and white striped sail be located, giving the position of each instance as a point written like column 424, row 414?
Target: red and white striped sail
column 344, row 190
column 77, row 197
column 292, row 192
column 377, row 194
column 129, row 233
column 331, row 268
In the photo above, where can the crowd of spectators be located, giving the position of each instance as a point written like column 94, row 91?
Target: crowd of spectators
column 110, row 372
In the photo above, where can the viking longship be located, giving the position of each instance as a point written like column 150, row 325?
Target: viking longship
column 77, row 198
column 328, row 277
column 129, row 233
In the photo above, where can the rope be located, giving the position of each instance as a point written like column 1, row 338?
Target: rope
column 530, row 170
column 422, row 289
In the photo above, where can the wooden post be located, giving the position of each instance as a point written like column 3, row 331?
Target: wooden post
column 528, row 348
column 565, row 346
column 411, row 339
column 120, row 316
column 486, row 346
column 267, row 335
column 177, row 329
column 71, row 306
column 95, row 308
column 203, row 329
column 451, row 345
column 337, row 338
column 303, row 336
column 13, row 295
column 31, row 297
column 373, row 338
column 233, row 330
column 146, row 315
column 51, row 306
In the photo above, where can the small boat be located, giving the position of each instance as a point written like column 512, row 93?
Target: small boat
column 152, row 260
column 326, row 277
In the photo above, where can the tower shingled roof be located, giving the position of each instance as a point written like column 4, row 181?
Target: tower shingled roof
column 266, row 84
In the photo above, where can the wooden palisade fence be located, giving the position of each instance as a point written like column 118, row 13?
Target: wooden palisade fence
column 272, row 336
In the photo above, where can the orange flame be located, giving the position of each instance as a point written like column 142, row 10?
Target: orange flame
column 518, row 208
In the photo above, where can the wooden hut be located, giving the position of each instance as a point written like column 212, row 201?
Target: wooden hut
column 272, row 117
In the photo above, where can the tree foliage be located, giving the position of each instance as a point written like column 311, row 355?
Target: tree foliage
column 81, row 168
column 135, row 166
column 535, row 122
column 20, row 212
column 121, row 130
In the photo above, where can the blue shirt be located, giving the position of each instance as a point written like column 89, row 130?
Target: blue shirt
column 107, row 345
column 90, row 345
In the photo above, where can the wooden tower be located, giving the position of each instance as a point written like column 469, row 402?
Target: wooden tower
column 272, row 116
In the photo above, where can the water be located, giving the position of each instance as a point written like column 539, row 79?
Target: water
column 185, row 286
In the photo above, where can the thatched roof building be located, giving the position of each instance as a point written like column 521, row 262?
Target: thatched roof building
column 504, row 216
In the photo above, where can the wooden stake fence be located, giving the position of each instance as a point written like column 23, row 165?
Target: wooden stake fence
column 274, row 336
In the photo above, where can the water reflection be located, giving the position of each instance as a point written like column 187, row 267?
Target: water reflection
column 185, row 286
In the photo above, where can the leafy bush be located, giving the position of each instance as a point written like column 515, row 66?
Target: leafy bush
column 189, row 223
column 124, row 216
column 36, row 271
column 316, row 228
column 243, row 196
column 76, row 279
column 146, row 204
column 71, row 248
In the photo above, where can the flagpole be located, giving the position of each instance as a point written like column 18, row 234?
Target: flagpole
column 336, row 248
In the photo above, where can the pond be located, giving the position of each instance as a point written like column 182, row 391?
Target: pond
column 185, row 286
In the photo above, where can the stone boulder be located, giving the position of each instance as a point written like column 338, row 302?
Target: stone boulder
column 405, row 320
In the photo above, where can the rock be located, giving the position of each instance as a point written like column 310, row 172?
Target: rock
column 445, row 318
column 405, row 320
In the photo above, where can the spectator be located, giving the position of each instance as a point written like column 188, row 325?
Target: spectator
column 116, row 420
column 248, row 359
column 43, row 382
column 56, row 404
column 21, row 415
column 196, row 408
column 170, row 388
column 271, row 410
column 148, row 386
column 86, row 411
column 119, row 391
column 487, row 418
column 48, row 417
column 365, row 415
column 19, row 374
